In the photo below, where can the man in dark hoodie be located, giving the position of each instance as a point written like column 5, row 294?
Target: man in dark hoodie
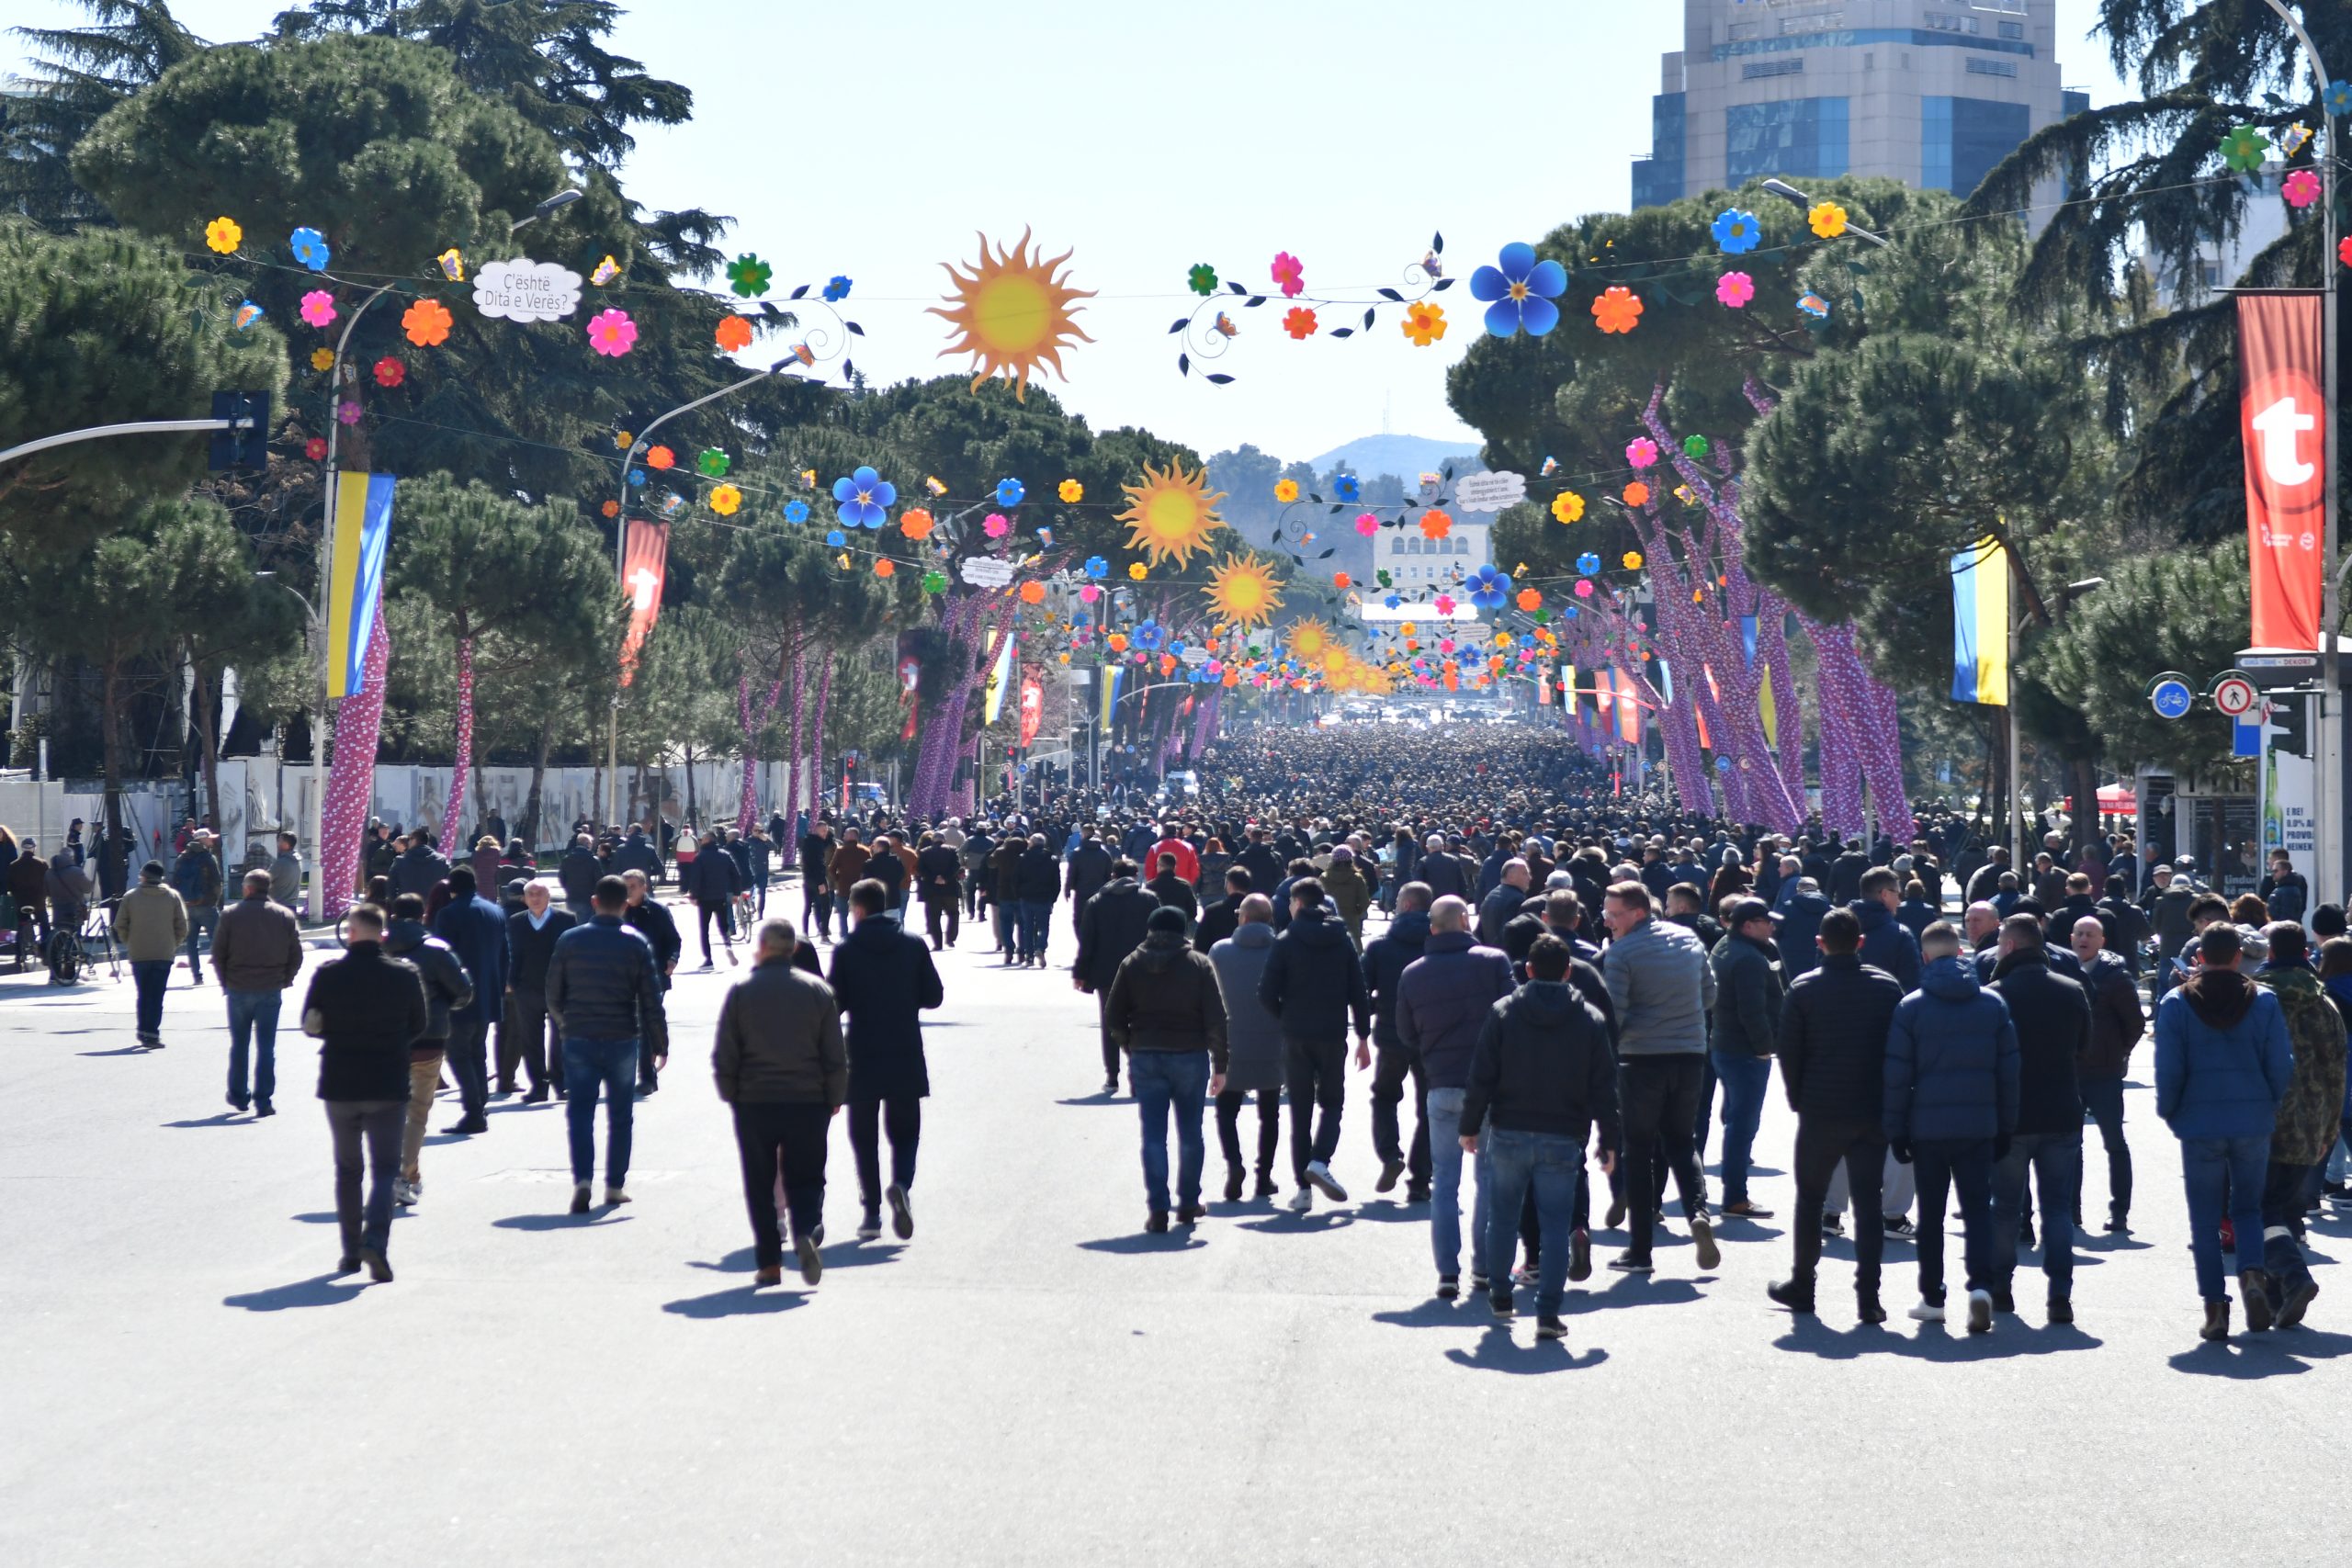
column 2310, row 1118
column 1223, row 917
column 422, row 866
column 1037, row 881
column 1172, row 891
column 2051, row 1016
column 1540, row 1075
column 1951, row 1107
column 2117, row 1024
column 1313, row 982
column 1799, row 921
column 1089, row 870
column 1386, row 959
column 579, row 871
column 885, row 981
column 1110, row 925
column 1833, row 1036
column 1747, row 1030
column 476, row 932
column 1164, row 1010
column 447, row 985
column 1438, row 1005
column 1887, row 943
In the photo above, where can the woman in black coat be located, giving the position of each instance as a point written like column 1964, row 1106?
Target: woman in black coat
column 882, row 979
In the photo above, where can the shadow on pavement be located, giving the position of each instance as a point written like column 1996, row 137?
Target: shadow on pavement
column 1390, row 1212
column 2273, row 1354
column 740, row 1302
column 1284, row 1223
column 324, row 1290
column 125, row 1051
column 1933, row 1342
column 1629, row 1291
column 594, row 1217
column 218, row 1119
column 1179, row 1240
column 1496, row 1351
column 1435, row 1314
column 1097, row 1097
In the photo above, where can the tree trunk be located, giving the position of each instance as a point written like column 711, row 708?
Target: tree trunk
column 533, row 803
column 817, row 735
column 208, row 734
column 110, row 852
column 453, row 820
column 2082, row 782
column 792, row 777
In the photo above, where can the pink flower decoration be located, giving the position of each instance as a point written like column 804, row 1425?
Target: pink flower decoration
column 1735, row 288
column 612, row 333
column 1584, row 590
column 318, row 308
column 1368, row 524
column 1446, row 604
column 995, row 526
column 1089, row 593
column 2344, row 250
column 2301, row 188
column 348, row 412
column 1291, row 272
column 1445, row 644
column 1641, row 452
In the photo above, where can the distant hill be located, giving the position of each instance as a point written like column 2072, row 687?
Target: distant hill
column 1403, row 455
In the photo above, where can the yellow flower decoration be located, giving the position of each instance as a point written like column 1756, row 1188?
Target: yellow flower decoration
column 725, row 500
column 322, row 359
column 1071, row 492
column 1424, row 323
column 1567, row 506
column 1136, row 570
column 223, row 235
column 623, row 439
column 1829, row 219
column 1287, row 490
column 1633, row 560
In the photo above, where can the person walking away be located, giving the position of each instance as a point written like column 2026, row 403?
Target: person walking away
column 419, row 866
column 1663, row 988
column 1174, row 892
column 196, row 877
column 605, row 994
column 2052, row 1015
column 475, row 930
column 579, row 871
column 285, row 873
column 28, row 885
column 1165, row 1013
column 1951, row 1107
column 1037, row 881
column 1254, row 1050
column 844, row 868
column 524, row 1041
column 150, row 923
column 365, row 1008
column 1385, row 963
column 1540, row 1075
column 1834, row 1030
column 650, row 919
column 2223, row 1064
column 1112, row 925
column 256, row 954
column 1314, row 983
column 939, row 875
column 1345, row 884
column 1440, row 1001
column 1749, row 993
column 711, row 882
column 782, row 1071
column 2310, row 1119
column 1089, row 870
column 975, row 850
column 2117, row 1024
column 884, row 980
column 816, row 851
column 446, row 987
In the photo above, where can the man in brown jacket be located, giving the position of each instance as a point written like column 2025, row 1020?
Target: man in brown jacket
column 256, row 954
column 1166, row 1011
column 150, row 923
column 781, row 1065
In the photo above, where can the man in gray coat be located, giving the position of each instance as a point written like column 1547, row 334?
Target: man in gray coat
column 1253, row 1046
column 1663, row 990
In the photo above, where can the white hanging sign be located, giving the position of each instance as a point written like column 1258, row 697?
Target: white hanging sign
column 525, row 290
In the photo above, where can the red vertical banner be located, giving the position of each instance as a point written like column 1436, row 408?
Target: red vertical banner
column 2280, row 416
column 1033, row 709
column 1629, row 711
column 909, row 679
column 644, row 560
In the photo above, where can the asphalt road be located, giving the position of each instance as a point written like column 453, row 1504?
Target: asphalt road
column 1032, row 1379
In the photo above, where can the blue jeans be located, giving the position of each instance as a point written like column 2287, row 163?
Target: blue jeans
column 1165, row 1080
column 586, row 1065
column 253, row 1023
column 2208, row 1166
column 1034, row 916
column 201, row 924
column 1551, row 1164
column 151, row 976
column 1445, row 1124
column 1746, row 1080
column 1944, row 1167
column 2057, row 1162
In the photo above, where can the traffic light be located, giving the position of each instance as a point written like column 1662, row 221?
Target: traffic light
column 246, row 448
column 2290, row 721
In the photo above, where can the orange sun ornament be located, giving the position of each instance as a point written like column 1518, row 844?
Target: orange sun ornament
column 1171, row 513
column 1013, row 313
column 1308, row 639
column 1241, row 589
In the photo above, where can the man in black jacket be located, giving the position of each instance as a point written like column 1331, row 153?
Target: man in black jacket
column 2117, row 1025
column 447, row 986
column 884, row 980
column 1438, row 1003
column 1174, row 892
column 782, row 1068
column 1223, row 917
column 1036, row 882
column 523, row 1032
column 1313, row 981
column 1090, row 871
column 579, row 871
column 939, row 881
column 712, row 879
column 1386, row 958
column 365, row 1008
column 606, row 998
column 2053, row 1016
column 652, row 919
column 1165, row 1009
column 816, row 880
column 417, row 871
column 1833, row 1064
column 1747, row 1021
column 1110, row 925
column 1542, row 1073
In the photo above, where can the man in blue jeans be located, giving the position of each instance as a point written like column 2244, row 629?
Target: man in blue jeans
column 606, row 996
column 1444, row 1000
column 1165, row 1012
column 1748, row 1024
column 256, row 954
column 1541, row 1075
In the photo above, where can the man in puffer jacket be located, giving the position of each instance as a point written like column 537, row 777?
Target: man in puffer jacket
column 1442, row 1001
column 1386, row 959
column 1164, row 1010
column 1748, row 1027
column 2222, row 1066
column 2052, row 1017
column 1951, row 1106
column 2310, row 1118
column 1313, row 982
column 447, row 986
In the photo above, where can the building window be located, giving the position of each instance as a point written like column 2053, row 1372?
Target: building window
column 1962, row 139
column 1992, row 67
column 1397, row 546
column 1802, row 137
column 2013, row 29
column 1818, row 21
column 1945, row 22
column 1742, row 31
column 1762, row 68
column 1658, row 179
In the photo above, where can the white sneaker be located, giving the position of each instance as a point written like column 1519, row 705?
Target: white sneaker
column 1318, row 1175
column 615, row 1195
column 1980, row 1311
column 1928, row 1312
column 402, row 1194
column 1301, row 1200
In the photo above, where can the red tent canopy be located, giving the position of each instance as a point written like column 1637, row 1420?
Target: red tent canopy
column 2114, row 800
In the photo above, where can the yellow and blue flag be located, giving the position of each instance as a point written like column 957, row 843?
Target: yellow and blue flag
column 1979, row 614
column 363, row 519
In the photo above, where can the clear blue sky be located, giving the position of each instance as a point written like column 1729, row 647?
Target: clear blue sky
column 876, row 140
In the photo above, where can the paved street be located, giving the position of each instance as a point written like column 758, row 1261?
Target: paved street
column 1032, row 1379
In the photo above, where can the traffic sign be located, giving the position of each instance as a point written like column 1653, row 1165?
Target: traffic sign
column 2234, row 694
column 2170, row 696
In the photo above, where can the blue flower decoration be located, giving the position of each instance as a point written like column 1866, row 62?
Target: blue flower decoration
column 1518, row 292
column 865, row 498
column 311, row 249
column 1008, row 492
column 1487, row 587
column 795, row 512
column 636, row 475
column 2337, row 99
column 837, row 290
column 1147, row 636
column 1569, row 611
column 1346, row 488
column 1097, row 566
column 1737, row 231
column 1175, row 648
column 1393, row 600
column 1588, row 563
column 836, row 538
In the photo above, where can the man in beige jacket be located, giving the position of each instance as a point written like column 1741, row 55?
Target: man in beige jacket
column 150, row 923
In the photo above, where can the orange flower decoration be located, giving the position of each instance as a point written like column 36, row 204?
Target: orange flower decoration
column 1116, row 642
column 1341, row 579
column 885, row 567
column 1637, row 494
column 660, row 458
column 611, row 509
column 426, row 322
column 916, row 523
column 1424, row 323
column 1529, row 599
column 1618, row 309
column 1435, row 525
column 1033, row 593
column 734, row 332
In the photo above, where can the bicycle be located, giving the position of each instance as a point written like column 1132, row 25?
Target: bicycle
column 74, row 949
column 743, row 916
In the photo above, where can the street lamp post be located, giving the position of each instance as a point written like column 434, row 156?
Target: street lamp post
column 318, row 732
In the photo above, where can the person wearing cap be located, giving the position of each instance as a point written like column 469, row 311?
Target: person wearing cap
column 1345, row 884
column 527, row 1034
column 1164, row 1011
column 1748, row 989
column 196, row 877
column 150, row 923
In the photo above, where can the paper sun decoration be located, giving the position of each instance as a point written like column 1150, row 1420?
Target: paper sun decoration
column 734, row 332
column 1012, row 312
column 2245, row 148
column 1617, row 309
column 715, row 463
column 863, row 498
column 1735, row 290
column 309, row 248
column 1071, row 492
column 1241, row 589
column 1736, row 231
column 1289, row 273
column 612, row 333
column 748, row 276
column 1009, row 492
column 318, row 308
column 1567, row 506
column 837, row 288
column 223, row 235
column 1518, row 292
column 1285, row 491
column 1424, row 323
column 724, row 499
column 426, row 322
column 2300, row 189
